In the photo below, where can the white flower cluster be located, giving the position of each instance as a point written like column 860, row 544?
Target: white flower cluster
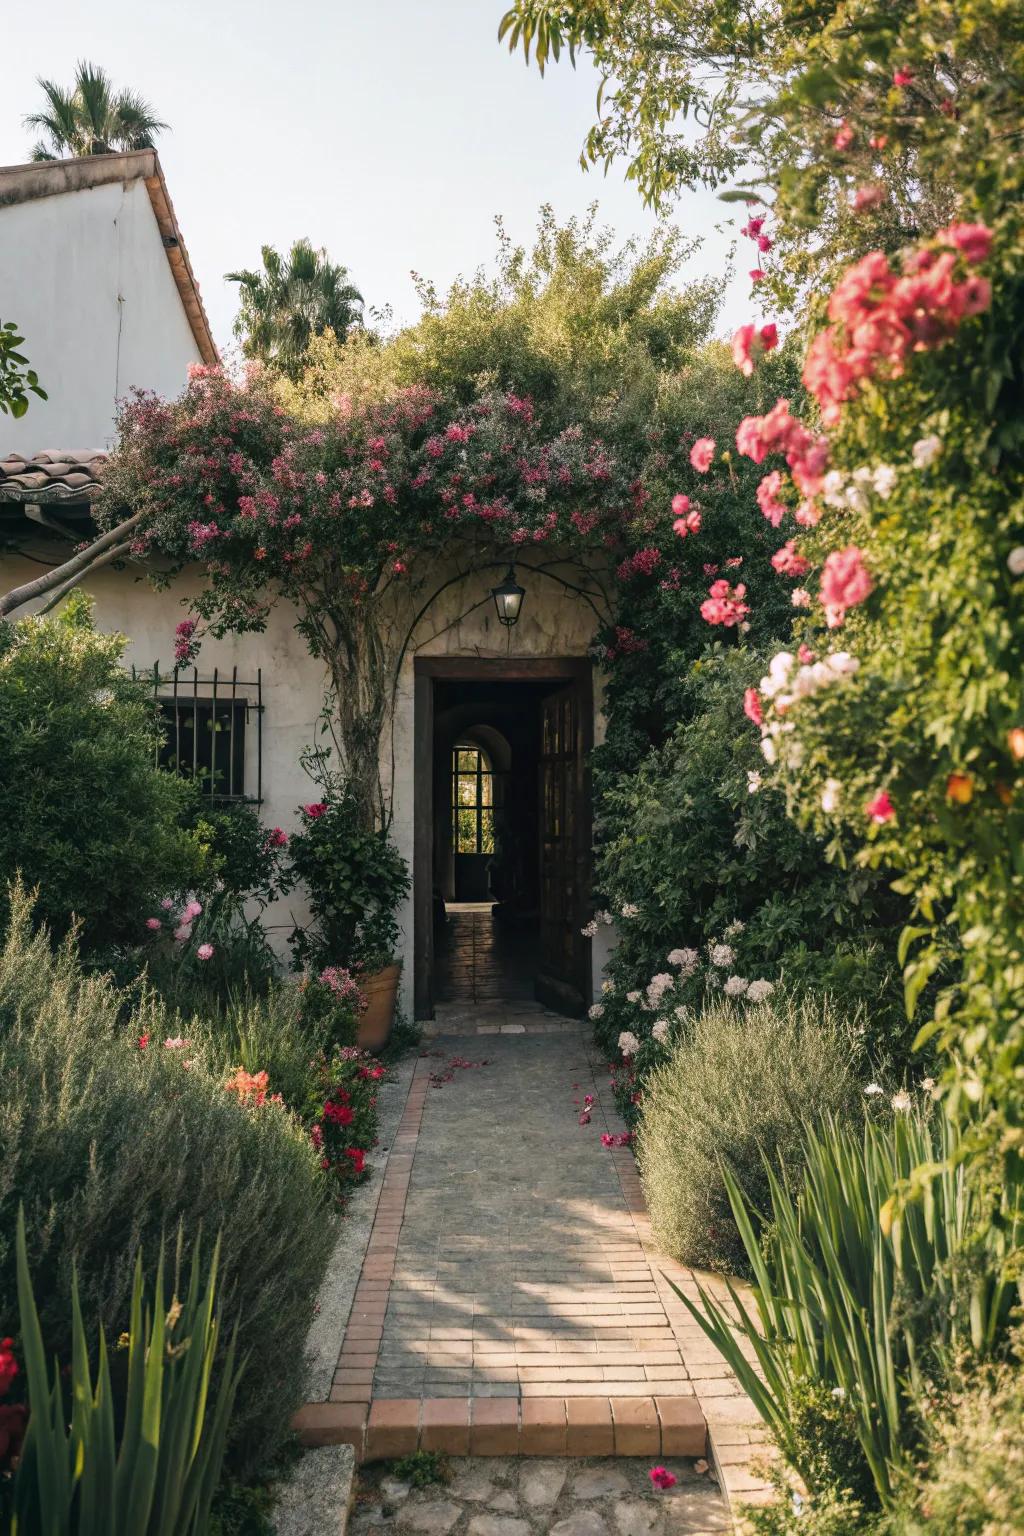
column 758, row 991
column 633, row 997
column 785, row 686
column 657, row 988
column 722, row 955
column 853, row 494
column 589, row 929
column 754, row 781
column 734, row 929
column 628, row 1043
column 926, row 450
column 685, row 960
column 659, row 1030
column 596, row 1011
column 630, row 909
column 735, row 986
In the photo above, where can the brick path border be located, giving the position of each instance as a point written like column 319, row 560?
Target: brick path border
column 383, row 1428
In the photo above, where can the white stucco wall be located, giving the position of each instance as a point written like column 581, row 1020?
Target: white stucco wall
column 554, row 623
column 85, row 276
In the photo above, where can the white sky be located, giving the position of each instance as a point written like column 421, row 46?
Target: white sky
column 389, row 131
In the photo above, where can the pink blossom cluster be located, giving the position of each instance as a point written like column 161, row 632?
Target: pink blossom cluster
column 749, row 343
column 186, row 646
column 880, row 316
column 845, row 582
column 806, row 453
column 724, row 604
column 687, row 516
column 753, row 229
column 788, row 562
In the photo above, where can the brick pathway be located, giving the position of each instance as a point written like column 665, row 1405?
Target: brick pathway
column 510, row 1300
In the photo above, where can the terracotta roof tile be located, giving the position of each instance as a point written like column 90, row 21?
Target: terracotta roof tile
column 69, row 475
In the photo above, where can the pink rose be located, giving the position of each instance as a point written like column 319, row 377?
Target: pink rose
column 702, row 453
column 204, row 952
column 845, row 582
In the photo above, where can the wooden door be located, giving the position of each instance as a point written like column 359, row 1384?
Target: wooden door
column 562, row 981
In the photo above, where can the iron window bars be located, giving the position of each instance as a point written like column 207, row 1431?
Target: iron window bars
column 205, row 722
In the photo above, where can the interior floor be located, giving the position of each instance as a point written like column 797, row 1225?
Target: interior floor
column 480, row 958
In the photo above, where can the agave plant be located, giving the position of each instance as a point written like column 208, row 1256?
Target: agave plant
column 862, row 1306
column 156, row 1475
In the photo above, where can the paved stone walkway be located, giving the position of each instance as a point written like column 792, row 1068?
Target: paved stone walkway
column 498, row 1496
column 511, row 1301
column 519, row 1270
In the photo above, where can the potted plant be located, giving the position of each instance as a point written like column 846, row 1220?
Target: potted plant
column 355, row 878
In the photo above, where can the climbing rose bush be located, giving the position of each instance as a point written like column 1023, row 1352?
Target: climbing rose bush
column 903, row 737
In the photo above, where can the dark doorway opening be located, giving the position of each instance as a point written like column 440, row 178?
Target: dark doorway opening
column 502, row 832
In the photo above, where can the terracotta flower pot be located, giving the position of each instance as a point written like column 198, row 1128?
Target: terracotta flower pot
column 381, row 990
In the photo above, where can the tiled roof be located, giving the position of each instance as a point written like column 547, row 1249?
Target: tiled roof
column 68, row 475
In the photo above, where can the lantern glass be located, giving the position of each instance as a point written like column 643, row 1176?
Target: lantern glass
column 508, row 599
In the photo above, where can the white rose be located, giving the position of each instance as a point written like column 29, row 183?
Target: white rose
column 884, row 480
column 926, row 450
column 768, row 751
column 832, row 489
column 830, row 796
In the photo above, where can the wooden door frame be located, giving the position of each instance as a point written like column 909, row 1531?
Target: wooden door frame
column 427, row 671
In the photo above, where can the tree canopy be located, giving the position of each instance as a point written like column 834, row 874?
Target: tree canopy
column 290, row 302
column 91, row 118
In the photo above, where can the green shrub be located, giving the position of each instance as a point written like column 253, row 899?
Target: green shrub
column 355, row 878
column 110, row 1146
column 141, row 1457
column 974, row 1480
column 735, row 1091
column 684, row 841
column 269, row 1034
column 84, row 814
column 858, row 1297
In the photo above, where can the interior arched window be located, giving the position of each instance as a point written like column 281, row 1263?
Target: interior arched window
column 472, row 800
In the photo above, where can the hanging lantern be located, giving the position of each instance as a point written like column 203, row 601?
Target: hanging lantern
column 508, row 599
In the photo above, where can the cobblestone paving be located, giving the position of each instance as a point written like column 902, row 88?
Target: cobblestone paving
column 519, row 1271
column 493, row 1496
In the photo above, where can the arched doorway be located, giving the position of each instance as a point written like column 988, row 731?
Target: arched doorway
column 502, row 831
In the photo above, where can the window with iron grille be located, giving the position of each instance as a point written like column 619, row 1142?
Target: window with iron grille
column 213, row 730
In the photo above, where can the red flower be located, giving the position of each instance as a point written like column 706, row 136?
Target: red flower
column 752, row 706
column 881, row 808
column 902, row 77
column 662, row 1478
column 8, row 1365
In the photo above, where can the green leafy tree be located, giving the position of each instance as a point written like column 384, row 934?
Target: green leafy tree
column 83, row 811
column 17, row 379
column 574, row 323
column 91, row 118
column 922, row 93
column 292, row 300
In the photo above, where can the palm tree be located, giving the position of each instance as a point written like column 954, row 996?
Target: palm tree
column 91, row 119
column 290, row 302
